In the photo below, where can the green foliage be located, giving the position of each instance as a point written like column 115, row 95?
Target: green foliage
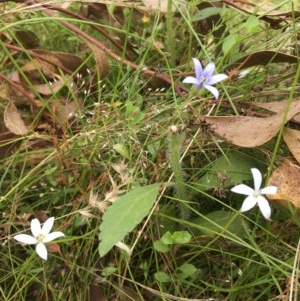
column 107, row 134
column 177, row 237
column 229, row 43
column 187, row 270
column 206, row 13
column 252, row 24
column 122, row 150
column 182, row 273
column 125, row 214
column 162, row 277
column 220, row 222
column 228, row 170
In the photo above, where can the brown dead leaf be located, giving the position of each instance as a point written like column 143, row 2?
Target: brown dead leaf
column 126, row 294
column 287, row 179
column 13, row 120
column 162, row 5
column 67, row 62
column 26, row 38
column 54, row 248
column 63, row 109
column 277, row 107
column 102, row 64
column 264, row 57
column 52, row 87
column 249, row 131
column 95, row 293
column 272, row 15
column 292, row 139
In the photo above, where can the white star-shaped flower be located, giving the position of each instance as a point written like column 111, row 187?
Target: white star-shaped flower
column 40, row 236
column 255, row 196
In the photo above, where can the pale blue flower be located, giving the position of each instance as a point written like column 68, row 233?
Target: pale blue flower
column 40, row 236
column 204, row 78
column 254, row 196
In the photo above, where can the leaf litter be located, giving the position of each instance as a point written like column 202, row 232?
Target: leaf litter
column 53, row 71
column 248, row 131
column 287, row 179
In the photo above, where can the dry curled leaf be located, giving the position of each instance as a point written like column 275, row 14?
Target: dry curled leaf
column 54, row 248
column 26, row 38
column 101, row 61
column 13, row 120
column 287, row 179
column 264, row 58
column 162, row 5
column 249, row 131
column 277, row 107
column 292, row 139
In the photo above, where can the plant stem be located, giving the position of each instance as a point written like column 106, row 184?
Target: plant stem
column 175, row 142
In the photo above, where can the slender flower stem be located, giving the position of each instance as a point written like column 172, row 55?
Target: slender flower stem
column 175, row 139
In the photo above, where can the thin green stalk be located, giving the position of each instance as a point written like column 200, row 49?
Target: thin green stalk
column 170, row 34
column 175, row 142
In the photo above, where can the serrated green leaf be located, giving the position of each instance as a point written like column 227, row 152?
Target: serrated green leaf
column 125, row 214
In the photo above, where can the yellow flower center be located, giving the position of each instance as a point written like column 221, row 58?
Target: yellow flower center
column 40, row 237
column 257, row 193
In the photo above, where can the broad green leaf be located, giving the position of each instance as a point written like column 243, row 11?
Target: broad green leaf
column 125, row 214
column 178, row 237
column 220, row 221
column 162, row 277
column 107, row 271
column 229, row 42
column 181, row 237
column 122, row 150
column 206, row 13
column 165, row 218
column 252, row 24
column 229, row 171
column 167, row 238
column 159, row 246
column 187, row 269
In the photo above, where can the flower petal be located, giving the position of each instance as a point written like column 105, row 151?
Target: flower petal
column 213, row 90
column 52, row 236
column 269, row 190
column 257, row 178
column 209, row 70
column 48, row 225
column 216, row 78
column 41, row 250
column 249, row 203
column 25, row 239
column 242, row 189
column 264, row 206
column 35, row 227
column 198, row 68
column 191, row 80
